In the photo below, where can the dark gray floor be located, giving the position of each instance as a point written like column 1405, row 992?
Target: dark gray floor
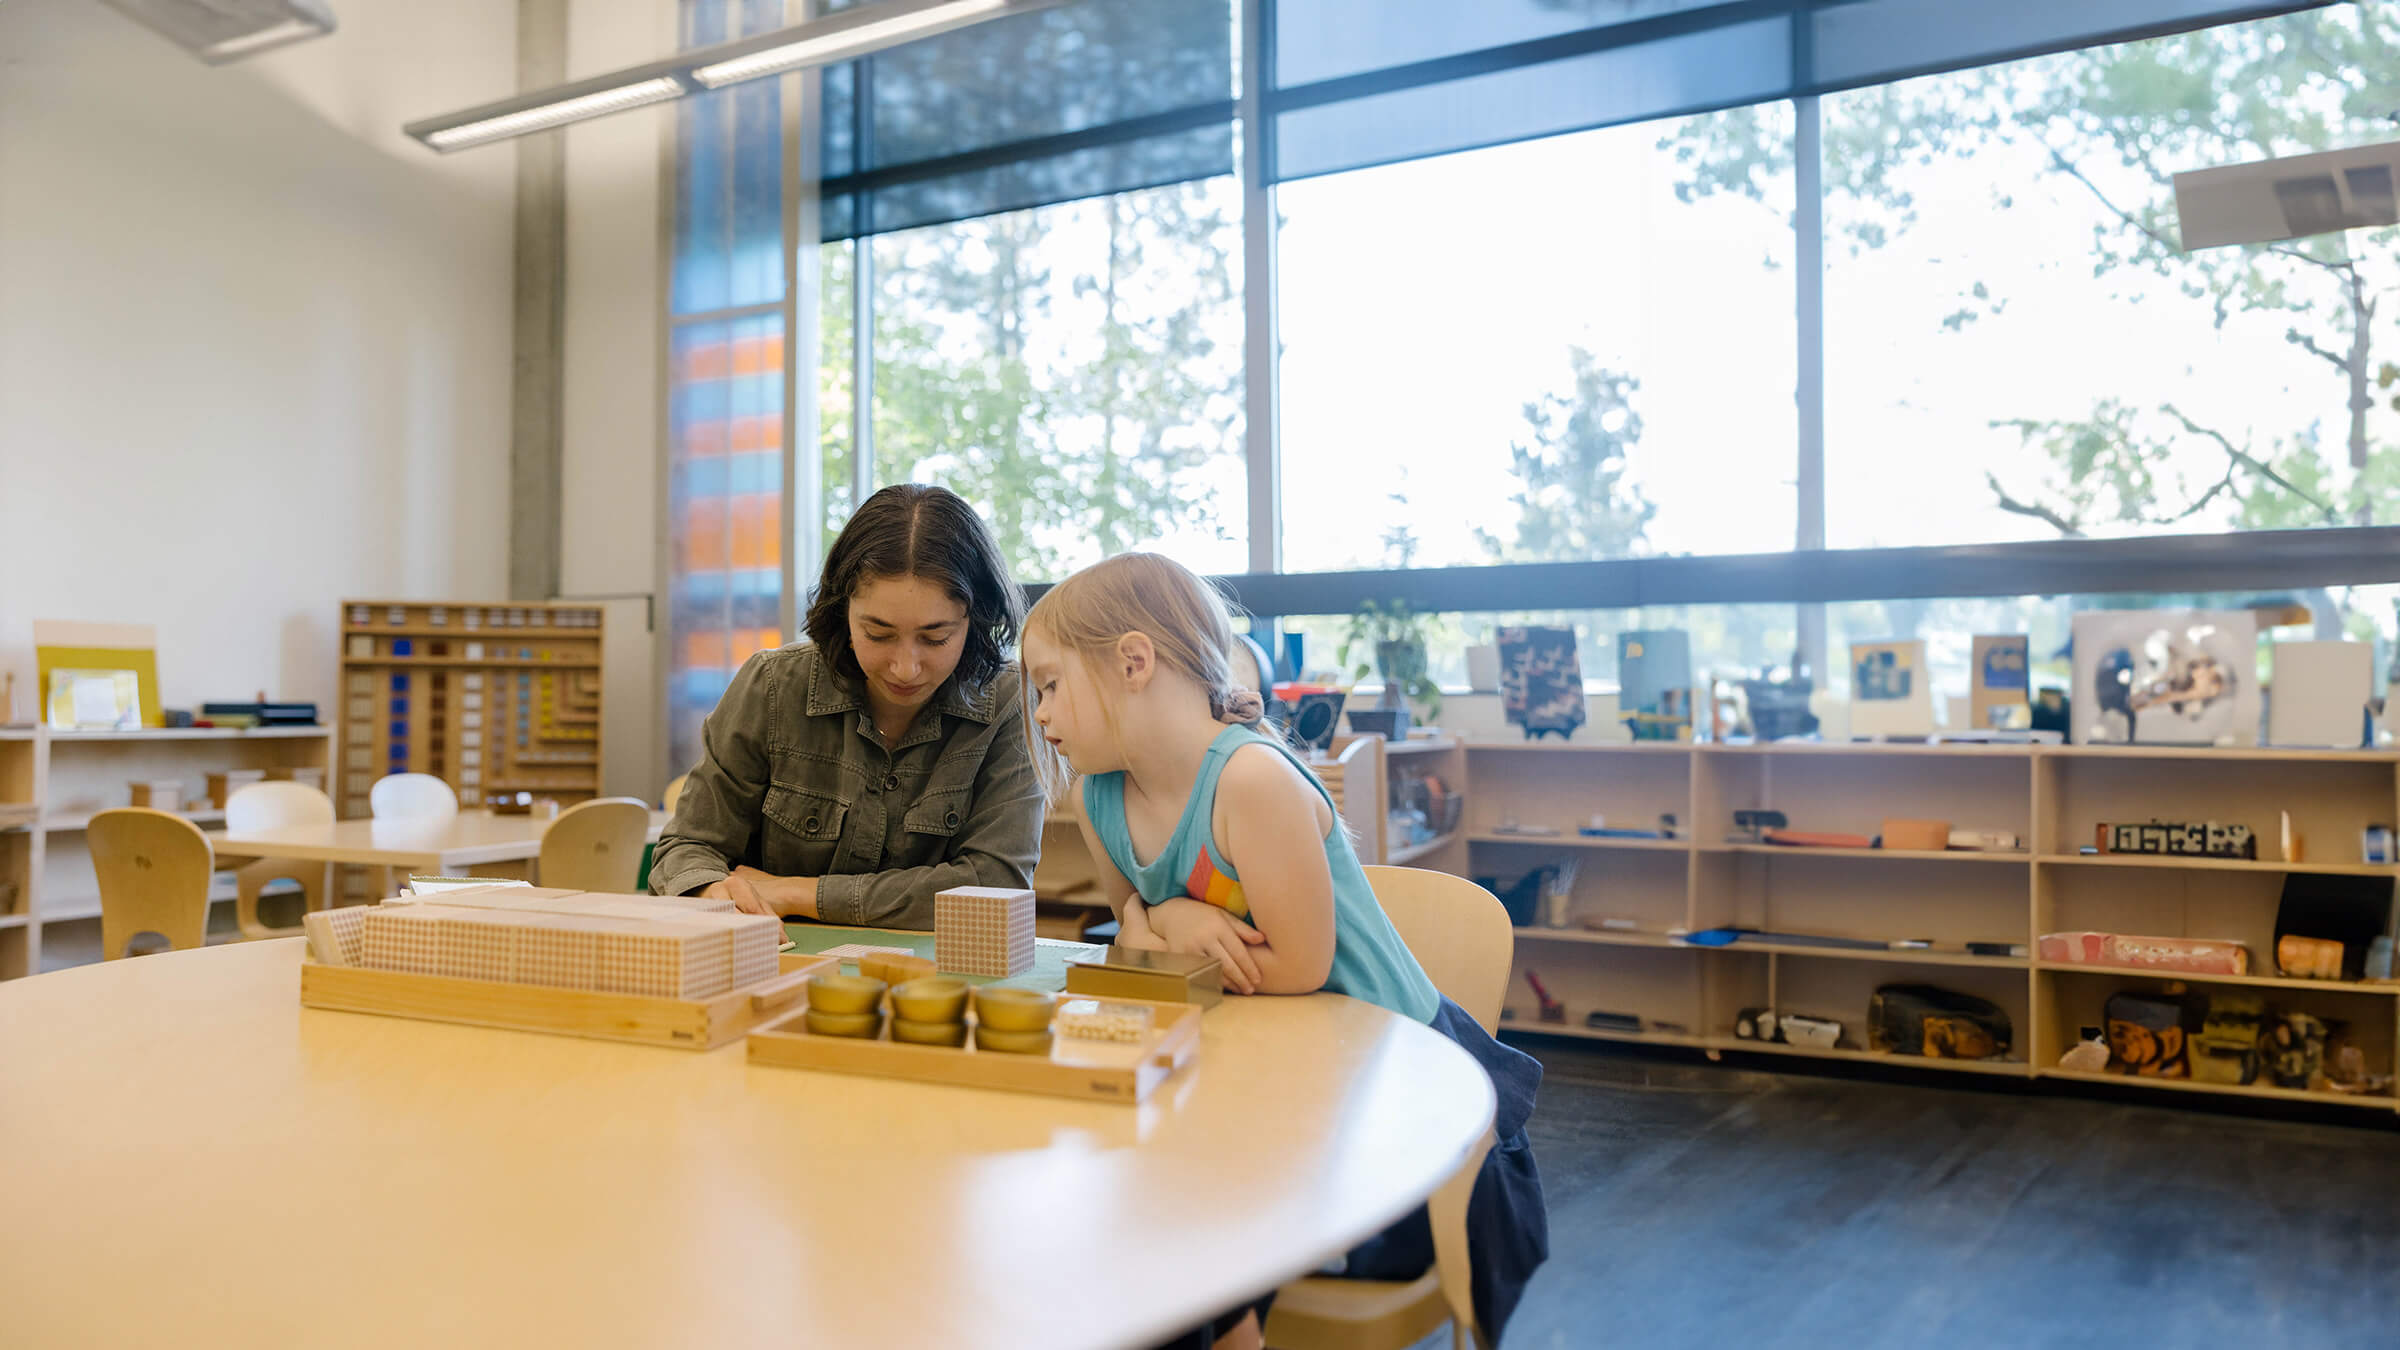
column 1710, row 1206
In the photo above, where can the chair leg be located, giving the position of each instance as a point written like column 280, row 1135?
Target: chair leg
column 1447, row 1210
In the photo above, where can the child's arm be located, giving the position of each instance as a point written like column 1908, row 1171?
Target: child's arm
column 1133, row 927
column 1272, row 823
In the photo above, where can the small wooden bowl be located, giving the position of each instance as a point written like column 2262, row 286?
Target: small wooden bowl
column 1003, row 1009
column 1012, row 1042
column 935, row 998
column 844, row 994
column 928, row 1033
column 860, row 1026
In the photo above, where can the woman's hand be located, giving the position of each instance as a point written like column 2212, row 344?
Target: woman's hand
column 743, row 894
column 1200, row 929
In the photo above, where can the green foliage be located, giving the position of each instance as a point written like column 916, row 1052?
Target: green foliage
column 2114, row 124
column 1070, row 456
column 1574, row 501
column 1394, row 636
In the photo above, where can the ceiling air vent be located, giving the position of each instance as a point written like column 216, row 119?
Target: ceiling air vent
column 218, row 31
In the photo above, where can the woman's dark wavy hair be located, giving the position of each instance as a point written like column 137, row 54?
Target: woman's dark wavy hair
column 918, row 530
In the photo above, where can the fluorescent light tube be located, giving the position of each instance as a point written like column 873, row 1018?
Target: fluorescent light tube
column 597, row 104
column 826, row 48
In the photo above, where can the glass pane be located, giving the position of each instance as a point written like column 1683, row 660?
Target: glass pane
column 724, row 512
column 728, row 175
column 2016, row 346
column 1325, row 39
column 966, row 91
column 837, row 390
column 1075, row 371
column 1742, row 63
column 1604, row 370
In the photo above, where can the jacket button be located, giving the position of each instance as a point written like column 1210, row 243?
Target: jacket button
column 891, row 782
column 812, row 823
column 951, row 820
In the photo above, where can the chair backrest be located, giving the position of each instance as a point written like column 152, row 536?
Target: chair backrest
column 154, row 868
column 596, row 845
column 1458, row 931
column 674, row 793
column 263, row 806
column 412, row 796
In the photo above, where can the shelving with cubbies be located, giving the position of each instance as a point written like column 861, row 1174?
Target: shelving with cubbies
column 488, row 698
column 53, row 782
column 2051, row 798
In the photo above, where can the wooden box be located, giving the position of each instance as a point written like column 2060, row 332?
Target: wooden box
column 307, row 775
column 682, row 1023
column 1088, row 1070
column 1158, row 977
column 165, row 794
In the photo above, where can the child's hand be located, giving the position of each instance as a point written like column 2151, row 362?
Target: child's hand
column 1133, row 926
column 1191, row 926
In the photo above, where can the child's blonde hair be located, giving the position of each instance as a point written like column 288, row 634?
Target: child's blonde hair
column 1187, row 619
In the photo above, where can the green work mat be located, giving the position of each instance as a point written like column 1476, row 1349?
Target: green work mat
column 1050, row 957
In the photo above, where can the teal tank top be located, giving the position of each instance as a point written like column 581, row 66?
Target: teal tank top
column 1370, row 963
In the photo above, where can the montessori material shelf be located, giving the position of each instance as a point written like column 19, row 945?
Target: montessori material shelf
column 2053, row 798
column 492, row 707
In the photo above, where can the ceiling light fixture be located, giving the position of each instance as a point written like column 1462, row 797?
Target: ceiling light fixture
column 877, row 30
column 840, row 36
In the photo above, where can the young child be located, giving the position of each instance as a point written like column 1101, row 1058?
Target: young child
column 1127, row 679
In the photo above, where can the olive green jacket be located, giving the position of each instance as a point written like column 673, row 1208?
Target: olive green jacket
column 793, row 780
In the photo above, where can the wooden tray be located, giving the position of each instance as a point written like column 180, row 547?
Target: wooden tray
column 1090, row 1070
column 688, row 1024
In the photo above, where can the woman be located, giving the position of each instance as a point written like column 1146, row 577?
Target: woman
column 850, row 777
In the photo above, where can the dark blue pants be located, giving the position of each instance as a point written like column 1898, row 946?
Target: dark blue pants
column 1508, row 1224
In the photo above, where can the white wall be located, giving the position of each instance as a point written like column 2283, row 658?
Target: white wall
column 254, row 344
column 614, row 306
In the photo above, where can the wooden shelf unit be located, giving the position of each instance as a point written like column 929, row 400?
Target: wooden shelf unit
column 2051, row 797
column 55, row 781
column 486, row 697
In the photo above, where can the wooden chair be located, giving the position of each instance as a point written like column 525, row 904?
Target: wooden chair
column 412, row 796
column 595, row 845
column 1461, row 934
column 674, row 793
column 263, row 806
column 154, row 868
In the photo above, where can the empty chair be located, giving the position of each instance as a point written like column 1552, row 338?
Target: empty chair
column 154, row 868
column 264, row 806
column 1460, row 933
column 412, row 796
column 596, row 845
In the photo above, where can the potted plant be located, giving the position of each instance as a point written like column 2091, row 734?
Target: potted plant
column 1395, row 635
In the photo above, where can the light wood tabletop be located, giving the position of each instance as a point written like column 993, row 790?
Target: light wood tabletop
column 439, row 847
column 190, row 1156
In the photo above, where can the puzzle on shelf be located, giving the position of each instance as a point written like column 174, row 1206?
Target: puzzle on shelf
column 983, row 930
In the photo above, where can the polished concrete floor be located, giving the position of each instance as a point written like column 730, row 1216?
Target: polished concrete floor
column 1719, row 1207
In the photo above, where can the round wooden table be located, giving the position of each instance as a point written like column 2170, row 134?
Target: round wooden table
column 188, row 1155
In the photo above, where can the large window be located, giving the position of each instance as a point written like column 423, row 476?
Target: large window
column 1075, row 371
column 1602, row 370
column 1546, row 290
column 2013, row 332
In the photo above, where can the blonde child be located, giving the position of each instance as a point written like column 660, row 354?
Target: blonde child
column 1127, row 681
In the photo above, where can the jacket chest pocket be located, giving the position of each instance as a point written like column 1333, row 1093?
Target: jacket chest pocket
column 804, row 830
column 936, row 816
